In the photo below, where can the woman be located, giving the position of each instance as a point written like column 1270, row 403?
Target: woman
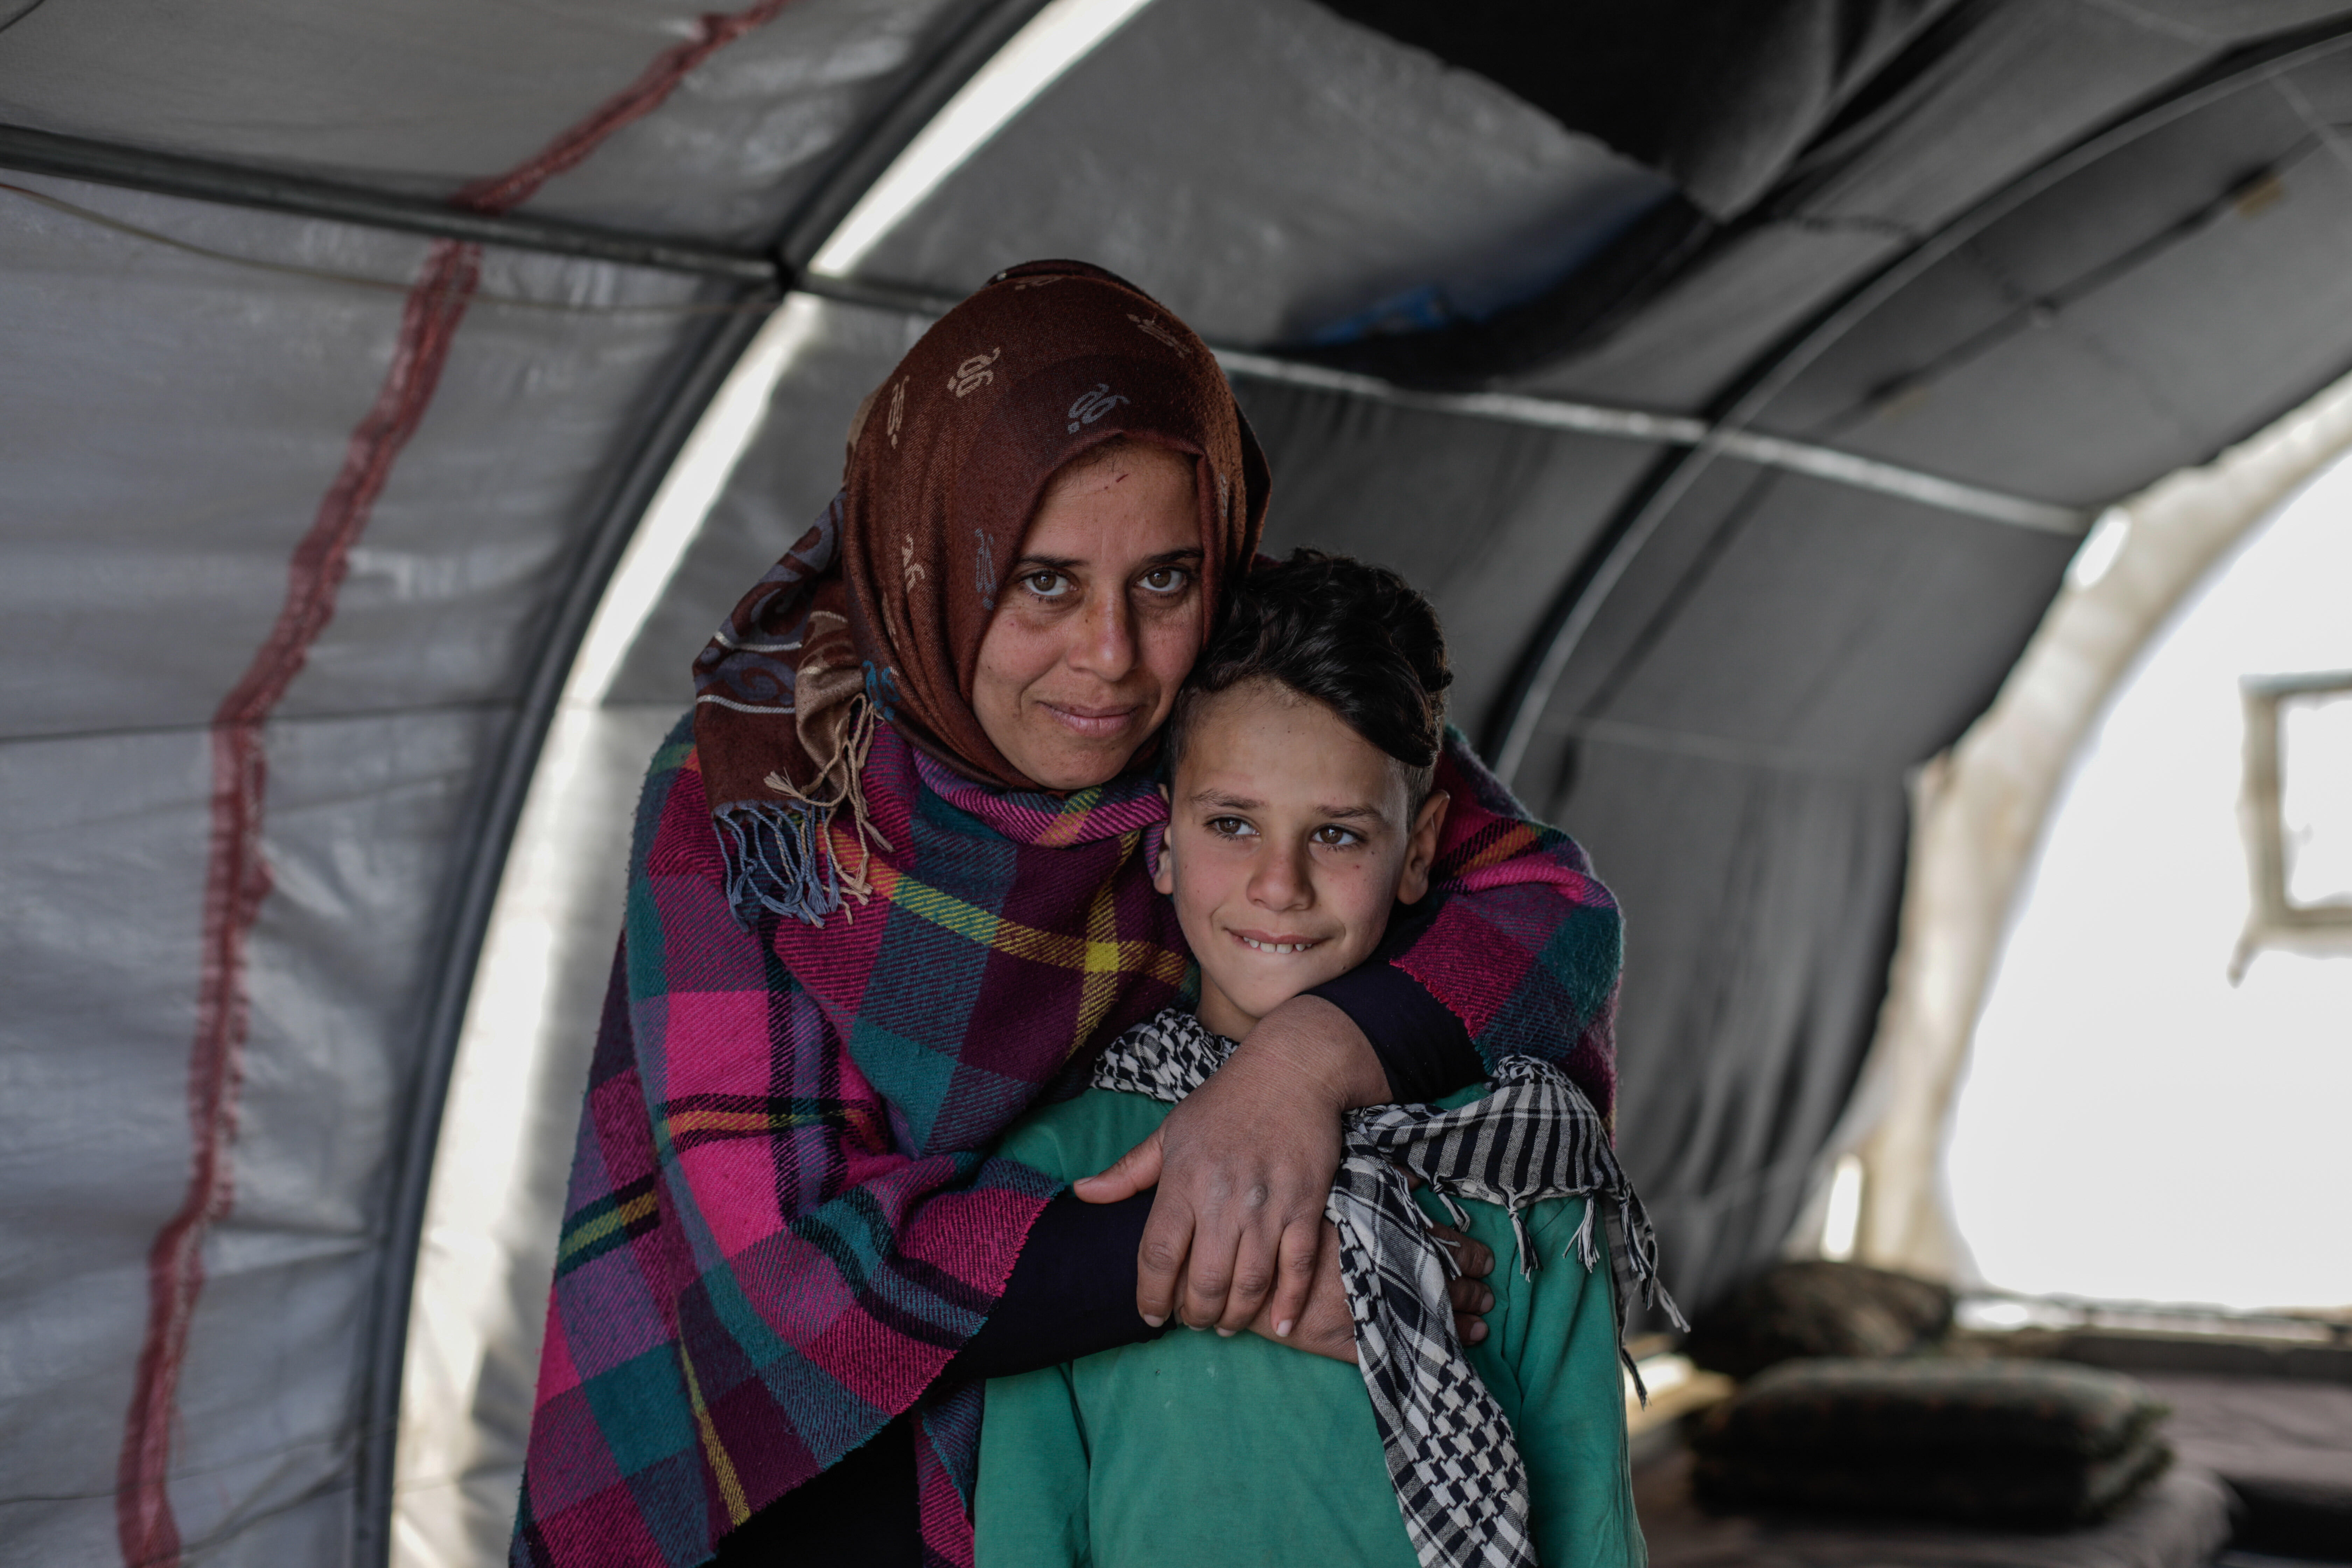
column 891, row 886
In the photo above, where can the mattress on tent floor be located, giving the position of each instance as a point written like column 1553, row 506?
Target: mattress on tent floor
column 2284, row 1446
column 2181, row 1522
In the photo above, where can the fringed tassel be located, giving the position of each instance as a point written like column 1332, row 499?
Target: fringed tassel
column 1587, row 1252
column 1453, row 1209
column 778, row 859
column 1637, row 1243
column 1642, row 1253
column 1640, row 1388
column 1526, row 1242
column 781, row 856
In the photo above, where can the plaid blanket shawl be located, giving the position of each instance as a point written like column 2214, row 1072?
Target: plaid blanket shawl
column 783, row 1221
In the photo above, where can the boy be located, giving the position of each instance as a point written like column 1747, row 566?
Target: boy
column 1300, row 756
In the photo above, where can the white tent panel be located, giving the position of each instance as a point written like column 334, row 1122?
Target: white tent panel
column 362, row 813
column 93, row 1103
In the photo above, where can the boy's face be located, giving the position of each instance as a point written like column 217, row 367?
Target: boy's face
column 1289, row 838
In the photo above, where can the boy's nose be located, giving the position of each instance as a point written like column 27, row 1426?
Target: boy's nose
column 1281, row 881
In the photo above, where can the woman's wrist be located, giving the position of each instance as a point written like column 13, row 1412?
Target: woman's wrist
column 1319, row 1043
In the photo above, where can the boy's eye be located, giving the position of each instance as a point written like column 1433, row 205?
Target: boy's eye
column 1229, row 827
column 1165, row 579
column 1046, row 585
column 1332, row 836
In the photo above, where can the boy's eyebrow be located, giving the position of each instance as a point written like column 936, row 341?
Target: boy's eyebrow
column 1028, row 563
column 1231, row 802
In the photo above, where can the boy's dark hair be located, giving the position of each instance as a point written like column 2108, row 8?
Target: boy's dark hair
column 1355, row 637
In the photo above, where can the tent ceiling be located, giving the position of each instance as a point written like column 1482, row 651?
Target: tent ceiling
column 1271, row 172
column 2051, row 249
column 1871, row 167
column 421, row 98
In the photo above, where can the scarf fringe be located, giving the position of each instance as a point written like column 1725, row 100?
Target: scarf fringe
column 780, row 857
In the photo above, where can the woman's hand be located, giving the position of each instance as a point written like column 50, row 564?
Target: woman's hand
column 1325, row 1329
column 1323, row 1326
column 1243, row 1165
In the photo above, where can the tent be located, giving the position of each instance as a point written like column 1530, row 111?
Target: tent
column 395, row 396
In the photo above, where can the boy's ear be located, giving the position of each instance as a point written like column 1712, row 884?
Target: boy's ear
column 1163, row 876
column 1421, row 847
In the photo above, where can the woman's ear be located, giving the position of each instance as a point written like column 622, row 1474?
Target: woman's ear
column 1421, row 847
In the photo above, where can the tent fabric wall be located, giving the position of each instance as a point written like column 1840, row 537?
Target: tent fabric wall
column 1943, row 264
column 1269, row 172
column 163, row 464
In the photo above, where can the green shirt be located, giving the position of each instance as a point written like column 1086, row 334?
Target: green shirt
column 1197, row 1450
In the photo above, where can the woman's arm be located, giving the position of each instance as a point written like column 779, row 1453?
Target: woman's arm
column 1243, row 1165
column 1246, row 1246
column 1522, row 943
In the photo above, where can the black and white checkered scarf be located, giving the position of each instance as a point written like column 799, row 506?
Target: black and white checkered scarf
column 1459, row 1481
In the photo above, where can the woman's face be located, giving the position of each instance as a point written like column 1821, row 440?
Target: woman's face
column 1100, row 620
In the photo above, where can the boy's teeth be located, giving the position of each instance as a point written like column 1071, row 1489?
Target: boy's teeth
column 1278, row 946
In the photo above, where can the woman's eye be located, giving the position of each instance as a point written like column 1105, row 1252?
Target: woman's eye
column 1229, row 827
column 1047, row 584
column 1166, row 579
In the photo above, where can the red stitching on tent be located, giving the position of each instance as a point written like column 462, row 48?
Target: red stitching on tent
column 237, row 877
column 712, row 32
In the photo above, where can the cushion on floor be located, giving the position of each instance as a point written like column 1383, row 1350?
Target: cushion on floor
column 1936, row 1404
column 1816, row 1308
column 2019, row 1442
column 2028, row 1491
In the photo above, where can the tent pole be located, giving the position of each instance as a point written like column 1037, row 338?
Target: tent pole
column 168, row 174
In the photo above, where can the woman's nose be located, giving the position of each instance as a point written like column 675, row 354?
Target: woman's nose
column 1105, row 634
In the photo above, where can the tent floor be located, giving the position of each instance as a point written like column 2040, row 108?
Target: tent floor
column 2284, row 1446
column 2182, row 1522
column 2264, row 1471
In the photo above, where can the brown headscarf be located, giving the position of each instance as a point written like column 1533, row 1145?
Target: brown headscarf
column 877, row 613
